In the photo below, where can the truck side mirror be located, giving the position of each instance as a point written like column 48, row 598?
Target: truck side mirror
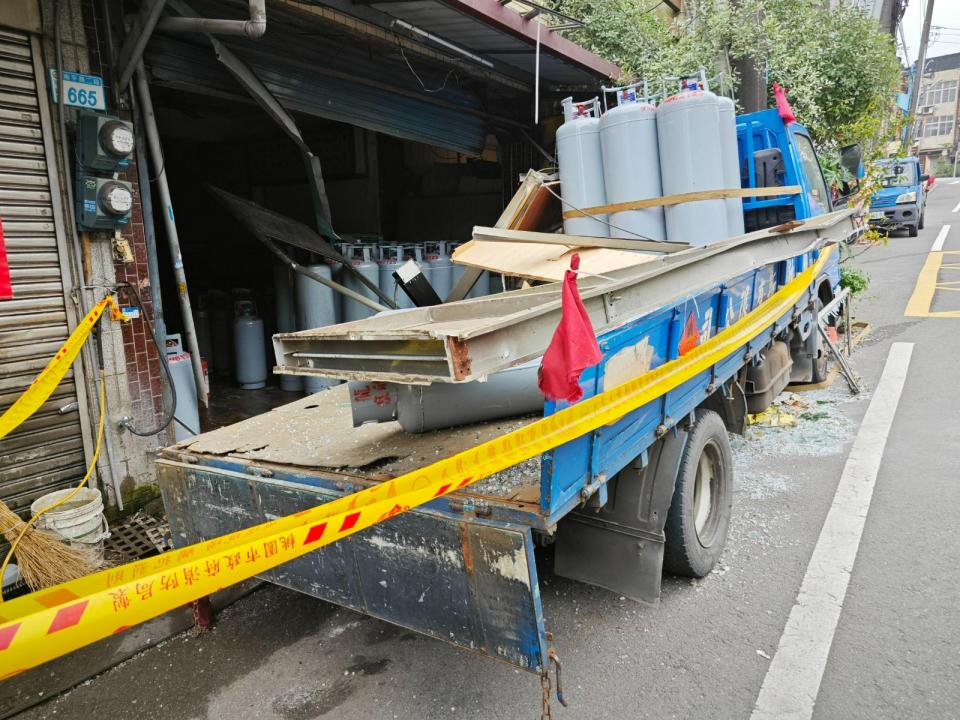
column 924, row 178
column 851, row 160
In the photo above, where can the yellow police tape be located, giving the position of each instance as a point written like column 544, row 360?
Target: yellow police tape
column 47, row 624
column 46, row 382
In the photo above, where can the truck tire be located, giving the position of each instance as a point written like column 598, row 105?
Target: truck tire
column 699, row 515
column 912, row 230
column 923, row 216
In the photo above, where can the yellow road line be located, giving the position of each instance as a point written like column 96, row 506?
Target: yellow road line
column 922, row 298
column 927, row 285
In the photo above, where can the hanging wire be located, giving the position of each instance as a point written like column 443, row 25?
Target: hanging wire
column 162, row 356
column 446, row 78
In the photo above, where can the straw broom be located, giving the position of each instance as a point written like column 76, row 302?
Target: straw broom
column 43, row 558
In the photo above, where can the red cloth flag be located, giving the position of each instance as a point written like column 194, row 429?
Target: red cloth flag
column 783, row 105
column 6, row 289
column 574, row 345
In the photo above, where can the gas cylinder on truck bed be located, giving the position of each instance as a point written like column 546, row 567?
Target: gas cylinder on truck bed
column 688, row 128
column 631, row 164
column 581, row 166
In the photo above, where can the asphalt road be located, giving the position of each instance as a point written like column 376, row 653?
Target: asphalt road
column 705, row 651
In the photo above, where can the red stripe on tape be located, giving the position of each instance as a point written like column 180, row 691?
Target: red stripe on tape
column 315, row 533
column 465, row 481
column 6, row 635
column 67, row 617
column 442, row 490
column 349, row 521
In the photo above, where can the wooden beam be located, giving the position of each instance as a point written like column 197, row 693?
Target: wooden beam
column 684, row 198
column 526, row 236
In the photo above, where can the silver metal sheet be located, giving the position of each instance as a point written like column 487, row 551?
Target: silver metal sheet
column 470, row 339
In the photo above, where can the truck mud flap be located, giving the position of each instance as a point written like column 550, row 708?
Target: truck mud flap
column 468, row 581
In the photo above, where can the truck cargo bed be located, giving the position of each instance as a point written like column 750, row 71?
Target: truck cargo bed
column 315, row 435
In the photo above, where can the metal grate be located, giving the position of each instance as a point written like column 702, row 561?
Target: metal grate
column 141, row 536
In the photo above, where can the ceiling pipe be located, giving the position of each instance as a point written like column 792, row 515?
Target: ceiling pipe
column 254, row 28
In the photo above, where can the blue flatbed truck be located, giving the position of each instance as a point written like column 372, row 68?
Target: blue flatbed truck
column 619, row 505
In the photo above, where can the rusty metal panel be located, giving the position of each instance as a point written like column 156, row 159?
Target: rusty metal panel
column 469, row 582
column 47, row 451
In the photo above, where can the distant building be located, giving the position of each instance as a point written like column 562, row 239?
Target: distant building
column 937, row 135
column 886, row 12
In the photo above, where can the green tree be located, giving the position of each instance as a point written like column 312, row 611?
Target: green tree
column 840, row 70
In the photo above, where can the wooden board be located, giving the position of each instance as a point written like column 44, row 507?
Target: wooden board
column 532, row 207
column 684, row 198
column 542, row 261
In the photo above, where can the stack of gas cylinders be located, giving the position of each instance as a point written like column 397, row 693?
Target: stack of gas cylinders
column 638, row 150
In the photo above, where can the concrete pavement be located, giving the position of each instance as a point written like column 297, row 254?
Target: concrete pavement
column 705, row 651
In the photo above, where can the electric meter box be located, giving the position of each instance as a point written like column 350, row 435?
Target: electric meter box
column 103, row 203
column 104, row 142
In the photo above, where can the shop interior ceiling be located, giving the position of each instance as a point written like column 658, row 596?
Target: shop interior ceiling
column 319, row 60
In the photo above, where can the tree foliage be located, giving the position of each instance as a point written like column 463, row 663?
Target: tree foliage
column 840, row 69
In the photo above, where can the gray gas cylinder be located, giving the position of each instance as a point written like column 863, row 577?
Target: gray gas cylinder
column 315, row 309
column 286, row 318
column 186, row 421
column 509, row 393
column 581, row 166
column 631, row 165
column 480, row 288
column 442, row 268
column 688, row 129
column 362, row 260
column 391, row 258
column 731, row 164
column 248, row 347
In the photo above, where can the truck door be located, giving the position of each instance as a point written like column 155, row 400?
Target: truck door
column 816, row 194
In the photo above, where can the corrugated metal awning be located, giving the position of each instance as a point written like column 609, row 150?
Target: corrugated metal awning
column 337, row 83
column 496, row 32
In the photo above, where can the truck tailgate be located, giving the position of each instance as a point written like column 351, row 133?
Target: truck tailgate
column 466, row 580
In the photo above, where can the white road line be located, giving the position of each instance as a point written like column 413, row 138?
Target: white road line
column 790, row 688
column 956, row 208
column 954, row 182
column 941, row 237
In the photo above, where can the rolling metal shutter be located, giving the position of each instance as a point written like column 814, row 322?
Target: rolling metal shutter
column 47, row 451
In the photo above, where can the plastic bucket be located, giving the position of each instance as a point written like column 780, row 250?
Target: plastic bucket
column 93, row 543
column 80, row 518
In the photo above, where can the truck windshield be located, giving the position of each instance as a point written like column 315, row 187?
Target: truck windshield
column 899, row 175
column 817, row 194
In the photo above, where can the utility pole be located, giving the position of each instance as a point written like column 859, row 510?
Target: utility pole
column 918, row 73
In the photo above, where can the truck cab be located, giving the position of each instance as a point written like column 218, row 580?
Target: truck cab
column 772, row 154
column 776, row 154
column 902, row 201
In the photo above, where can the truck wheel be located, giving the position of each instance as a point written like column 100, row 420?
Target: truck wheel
column 821, row 365
column 912, row 230
column 696, row 527
column 923, row 216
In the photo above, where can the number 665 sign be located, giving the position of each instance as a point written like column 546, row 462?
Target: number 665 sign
column 85, row 91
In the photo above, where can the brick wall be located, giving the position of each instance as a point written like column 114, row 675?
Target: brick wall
column 144, row 382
